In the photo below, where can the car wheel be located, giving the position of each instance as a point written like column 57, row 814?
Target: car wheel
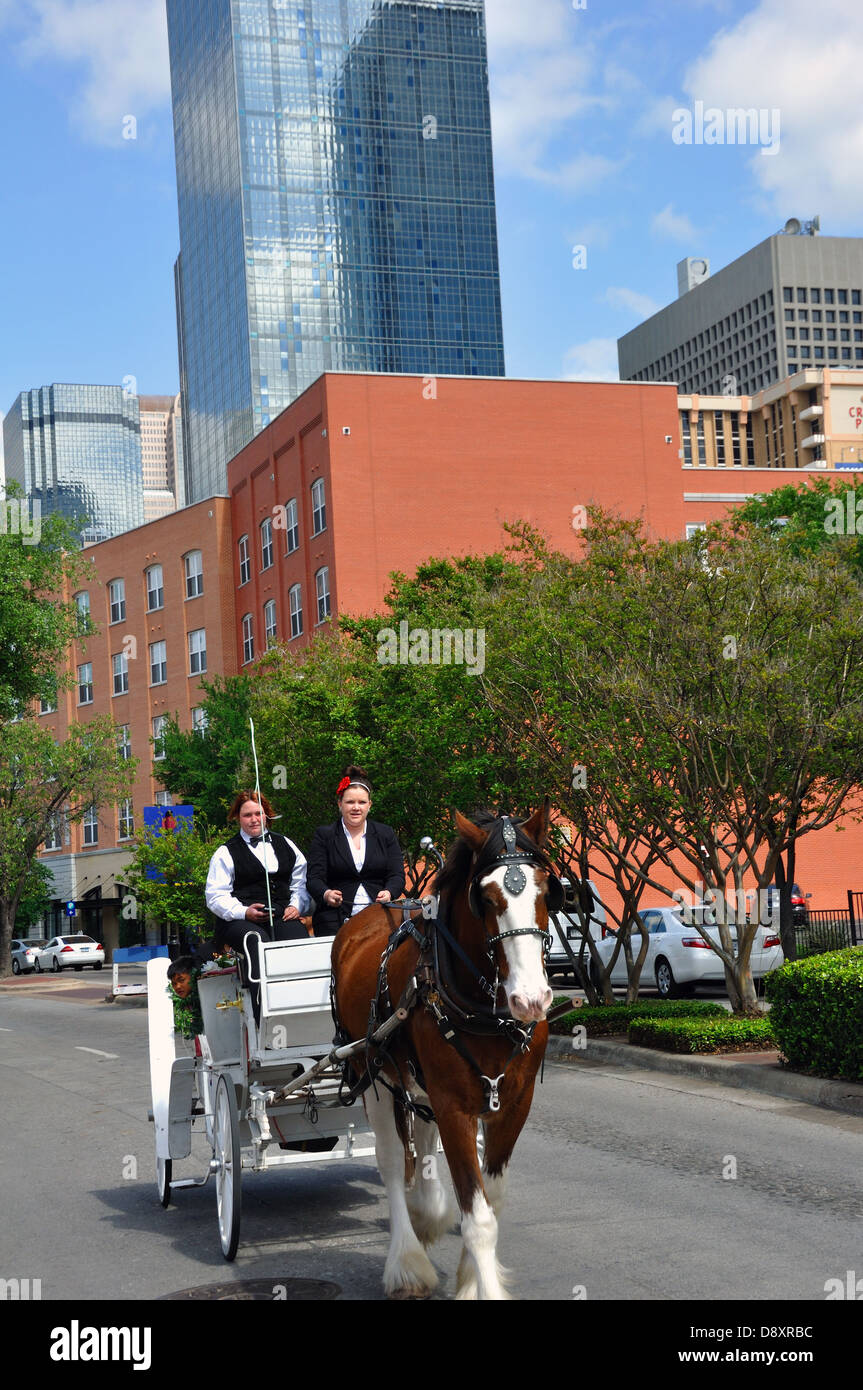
column 98, row 965
column 37, row 969
column 55, row 965
column 16, row 967
column 665, row 981
column 79, row 967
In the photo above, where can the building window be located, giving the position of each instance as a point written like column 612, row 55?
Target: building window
column 158, row 663
column 194, row 566
column 687, row 438
column 155, row 588
column 292, row 526
column 125, row 824
column 85, row 683
column 828, row 296
column 91, row 826
column 248, row 638
column 815, row 296
column 322, row 588
column 124, row 743
column 735, row 442
column 718, row 422
column 699, row 433
column 269, row 623
column 801, row 297
column 197, row 652
column 82, row 616
column 48, row 706
column 120, row 665
column 266, row 543
column 319, row 507
column 117, row 598
column 54, row 833
column 787, row 294
column 693, row 527
column 750, row 444
column 159, row 723
column 296, row 604
column 245, row 566
column 199, row 719
column 162, row 798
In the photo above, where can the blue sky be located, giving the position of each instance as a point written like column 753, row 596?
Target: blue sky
column 583, row 94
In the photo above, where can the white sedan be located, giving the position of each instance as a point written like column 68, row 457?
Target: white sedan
column 678, row 958
column 72, row 952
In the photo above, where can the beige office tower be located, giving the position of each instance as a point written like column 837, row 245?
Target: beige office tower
column 161, row 455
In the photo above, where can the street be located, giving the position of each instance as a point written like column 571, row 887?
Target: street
column 624, row 1185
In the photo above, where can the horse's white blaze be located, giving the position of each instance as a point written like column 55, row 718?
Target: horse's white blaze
column 527, row 989
column 479, row 1233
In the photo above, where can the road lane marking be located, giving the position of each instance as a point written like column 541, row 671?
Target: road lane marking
column 96, row 1053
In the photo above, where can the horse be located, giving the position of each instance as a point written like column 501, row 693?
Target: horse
column 467, row 1047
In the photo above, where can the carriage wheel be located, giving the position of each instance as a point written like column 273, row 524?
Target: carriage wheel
column 163, row 1179
column 226, row 1151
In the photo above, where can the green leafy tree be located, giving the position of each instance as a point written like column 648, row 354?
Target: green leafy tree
column 167, row 875
column 807, row 517
column 42, row 784
column 205, row 766
column 37, row 564
column 35, row 897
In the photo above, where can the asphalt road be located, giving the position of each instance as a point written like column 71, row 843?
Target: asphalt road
column 622, row 1185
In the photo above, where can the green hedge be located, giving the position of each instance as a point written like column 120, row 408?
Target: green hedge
column 817, row 1013
column 606, row 1020
column 726, row 1034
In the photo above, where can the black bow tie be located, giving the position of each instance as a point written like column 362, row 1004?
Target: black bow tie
column 255, row 840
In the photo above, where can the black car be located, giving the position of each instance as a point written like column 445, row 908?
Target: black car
column 799, row 910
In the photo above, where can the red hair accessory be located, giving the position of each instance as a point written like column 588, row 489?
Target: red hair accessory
column 343, row 785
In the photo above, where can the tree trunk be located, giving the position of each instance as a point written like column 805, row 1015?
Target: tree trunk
column 8, row 907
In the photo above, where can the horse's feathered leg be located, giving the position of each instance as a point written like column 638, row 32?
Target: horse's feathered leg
column 479, row 1274
column 429, row 1200
column 408, row 1273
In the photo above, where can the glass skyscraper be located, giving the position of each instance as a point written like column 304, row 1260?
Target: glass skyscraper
column 77, row 450
column 336, row 204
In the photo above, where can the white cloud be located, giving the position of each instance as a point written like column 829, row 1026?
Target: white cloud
column 634, row 303
column 675, row 225
column 121, row 46
column 805, row 62
column 595, row 360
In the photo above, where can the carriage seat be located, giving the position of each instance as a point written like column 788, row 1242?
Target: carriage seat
column 295, row 993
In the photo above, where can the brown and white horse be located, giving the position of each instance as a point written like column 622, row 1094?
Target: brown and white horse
column 494, row 892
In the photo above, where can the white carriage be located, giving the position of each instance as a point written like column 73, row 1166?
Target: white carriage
column 266, row 1094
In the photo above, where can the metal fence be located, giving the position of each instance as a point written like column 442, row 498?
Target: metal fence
column 828, row 929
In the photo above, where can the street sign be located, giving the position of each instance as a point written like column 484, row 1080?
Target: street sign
column 71, row 910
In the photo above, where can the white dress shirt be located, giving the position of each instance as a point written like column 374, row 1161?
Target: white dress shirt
column 362, row 898
column 220, row 879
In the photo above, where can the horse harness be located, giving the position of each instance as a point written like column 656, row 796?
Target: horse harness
column 431, row 987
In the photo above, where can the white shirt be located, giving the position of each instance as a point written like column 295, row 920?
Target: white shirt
column 362, row 898
column 220, row 879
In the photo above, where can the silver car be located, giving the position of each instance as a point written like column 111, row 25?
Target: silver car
column 678, row 958
column 24, row 956
column 72, row 952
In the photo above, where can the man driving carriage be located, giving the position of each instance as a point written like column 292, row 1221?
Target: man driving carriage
column 237, row 890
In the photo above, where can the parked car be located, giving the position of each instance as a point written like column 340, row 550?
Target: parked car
column 24, row 956
column 72, row 952
column 557, row 961
column 678, row 958
column 799, row 910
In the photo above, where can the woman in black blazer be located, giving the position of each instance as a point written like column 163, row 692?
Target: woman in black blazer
column 355, row 861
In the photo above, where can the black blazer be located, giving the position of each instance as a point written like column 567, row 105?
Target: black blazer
column 331, row 865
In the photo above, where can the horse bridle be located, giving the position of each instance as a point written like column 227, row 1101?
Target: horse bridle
column 515, row 881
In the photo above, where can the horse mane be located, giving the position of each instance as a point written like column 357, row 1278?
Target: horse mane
column 457, row 867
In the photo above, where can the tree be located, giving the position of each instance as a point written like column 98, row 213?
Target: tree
column 40, row 558
column 168, row 873
column 43, row 784
column 821, row 512
column 204, row 766
column 711, row 690
column 35, row 897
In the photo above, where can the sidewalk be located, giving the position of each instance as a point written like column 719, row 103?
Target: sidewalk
column 757, row 1071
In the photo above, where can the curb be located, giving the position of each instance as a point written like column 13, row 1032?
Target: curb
column 770, row 1077
column 129, row 1001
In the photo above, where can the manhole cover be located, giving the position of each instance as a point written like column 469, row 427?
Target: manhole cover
column 268, row 1290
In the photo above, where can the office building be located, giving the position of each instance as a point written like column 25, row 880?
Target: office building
column 77, row 450
column 161, row 455
column 336, row 205
column 793, row 302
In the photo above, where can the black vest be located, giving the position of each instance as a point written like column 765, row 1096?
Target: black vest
column 250, row 877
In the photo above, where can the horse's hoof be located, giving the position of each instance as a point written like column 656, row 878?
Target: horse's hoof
column 410, row 1291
